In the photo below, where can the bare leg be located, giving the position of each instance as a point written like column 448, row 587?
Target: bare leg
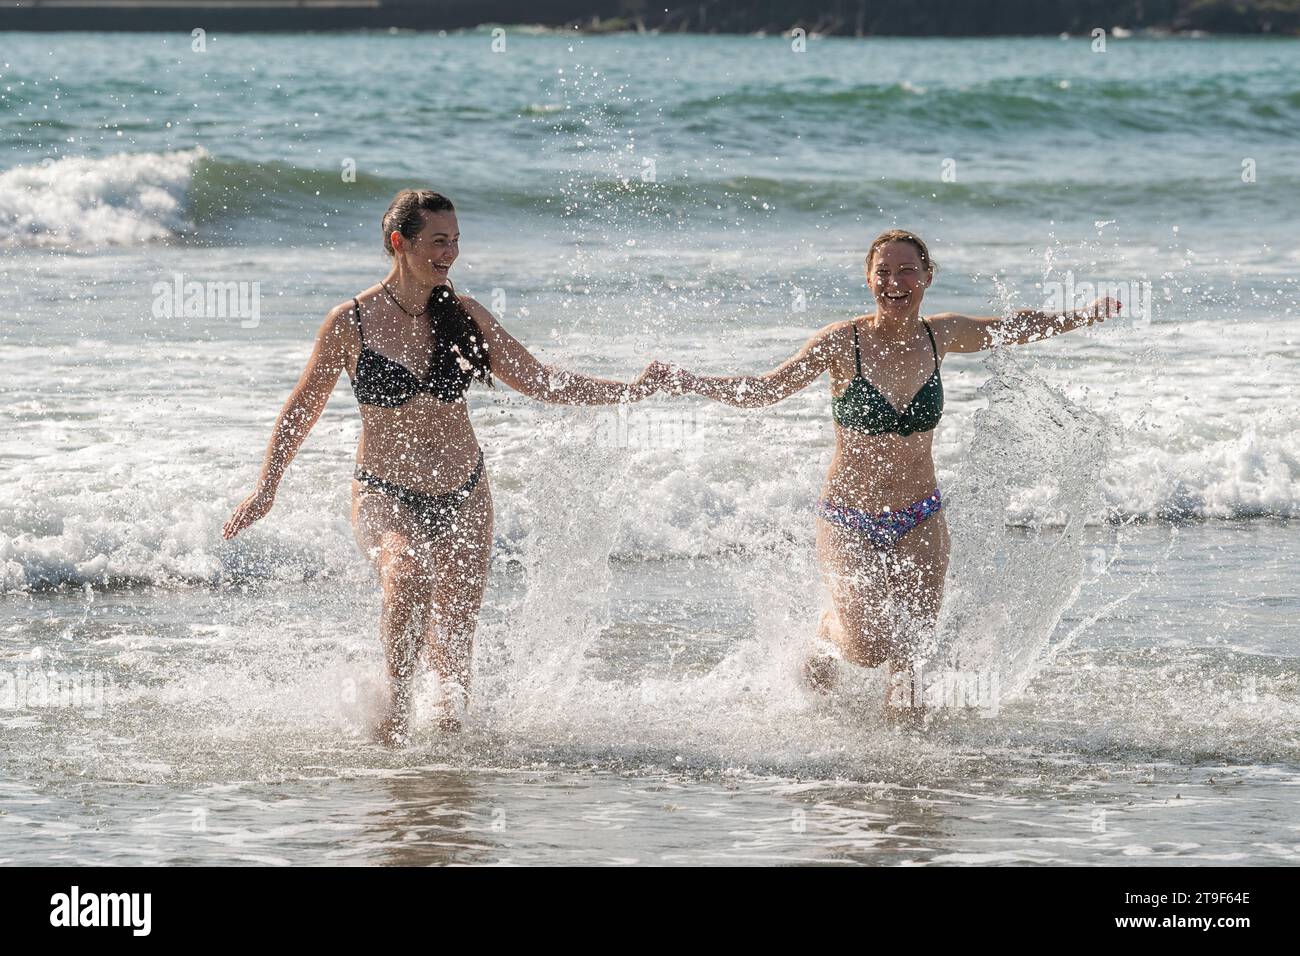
column 869, row 585
column 460, row 556
column 858, row 623
column 386, row 536
column 407, row 586
column 819, row 670
column 915, row 570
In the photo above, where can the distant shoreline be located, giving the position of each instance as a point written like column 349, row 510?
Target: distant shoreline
column 853, row 18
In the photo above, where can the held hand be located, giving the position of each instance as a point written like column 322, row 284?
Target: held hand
column 646, row 384
column 670, row 378
column 657, row 377
column 680, row 381
column 250, row 509
column 1104, row 309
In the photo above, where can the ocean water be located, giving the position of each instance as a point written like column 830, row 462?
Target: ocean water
column 1122, row 601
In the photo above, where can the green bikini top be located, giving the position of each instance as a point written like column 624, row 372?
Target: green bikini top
column 863, row 408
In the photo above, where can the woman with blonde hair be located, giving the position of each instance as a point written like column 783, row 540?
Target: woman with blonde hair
column 882, row 540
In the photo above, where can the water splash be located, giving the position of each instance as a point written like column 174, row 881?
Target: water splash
column 1031, row 451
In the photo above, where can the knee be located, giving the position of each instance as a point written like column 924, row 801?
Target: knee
column 866, row 652
column 863, row 644
column 404, row 579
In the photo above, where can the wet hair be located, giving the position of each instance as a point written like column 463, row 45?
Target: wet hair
column 406, row 213
column 902, row 235
column 455, row 328
column 452, row 324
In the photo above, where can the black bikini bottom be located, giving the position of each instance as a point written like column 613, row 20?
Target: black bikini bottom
column 433, row 511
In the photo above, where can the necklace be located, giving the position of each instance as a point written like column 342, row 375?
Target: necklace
column 389, row 293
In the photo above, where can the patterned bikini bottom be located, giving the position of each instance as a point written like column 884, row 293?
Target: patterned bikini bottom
column 882, row 530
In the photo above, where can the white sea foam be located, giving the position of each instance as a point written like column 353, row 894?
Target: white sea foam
column 129, row 495
column 122, row 199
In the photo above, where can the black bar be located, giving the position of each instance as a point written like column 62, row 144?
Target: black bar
column 927, row 905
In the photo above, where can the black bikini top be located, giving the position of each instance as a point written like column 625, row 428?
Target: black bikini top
column 388, row 384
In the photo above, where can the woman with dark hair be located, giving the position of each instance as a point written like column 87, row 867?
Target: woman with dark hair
column 421, row 505
column 882, row 540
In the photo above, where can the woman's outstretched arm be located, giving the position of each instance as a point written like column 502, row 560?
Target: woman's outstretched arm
column 517, row 367
column 299, row 414
column 964, row 333
column 755, row 391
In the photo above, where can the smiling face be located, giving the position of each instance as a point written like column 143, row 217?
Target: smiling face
column 898, row 278
column 434, row 250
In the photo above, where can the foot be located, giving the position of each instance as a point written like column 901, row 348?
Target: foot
column 905, row 702
column 394, row 729
column 451, row 708
column 449, row 724
column 819, row 673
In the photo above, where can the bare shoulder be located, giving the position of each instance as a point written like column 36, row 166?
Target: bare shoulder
column 945, row 319
column 834, row 344
column 340, row 320
column 838, row 326
column 339, row 336
column 949, row 329
column 829, row 336
column 962, row 333
column 473, row 305
column 479, row 312
column 341, row 311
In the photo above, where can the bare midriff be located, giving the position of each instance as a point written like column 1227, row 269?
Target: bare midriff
column 426, row 445
column 875, row 472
